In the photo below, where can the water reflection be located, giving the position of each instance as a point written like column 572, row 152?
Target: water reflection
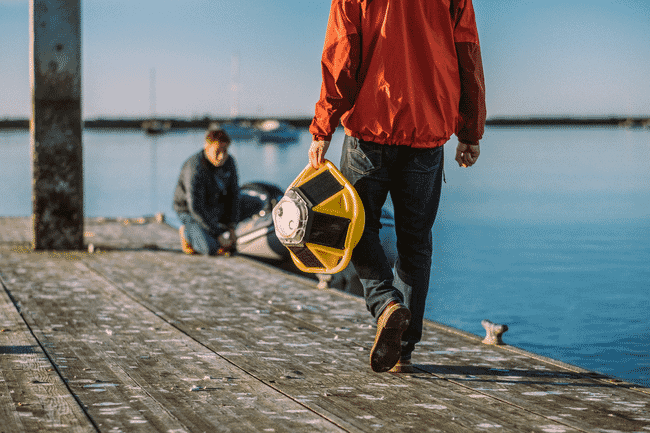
column 153, row 200
column 269, row 157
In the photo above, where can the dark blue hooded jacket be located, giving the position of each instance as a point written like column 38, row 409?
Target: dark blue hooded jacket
column 208, row 193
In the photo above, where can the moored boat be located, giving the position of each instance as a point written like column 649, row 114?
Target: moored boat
column 237, row 129
column 275, row 131
column 155, row 126
column 255, row 231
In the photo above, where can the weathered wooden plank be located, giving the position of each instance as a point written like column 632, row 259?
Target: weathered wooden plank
column 554, row 389
column 549, row 386
column 103, row 233
column 229, row 313
column 133, row 371
column 15, row 230
column 131, row 233
column 33, row 398
column 529, row 378
column 574, row 396
column 313, row 346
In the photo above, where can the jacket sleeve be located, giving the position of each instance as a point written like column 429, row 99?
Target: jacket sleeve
column 233, row 190
column 339, row 65
column 472, row 112
column 197, row 196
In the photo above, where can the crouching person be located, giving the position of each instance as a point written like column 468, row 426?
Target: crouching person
column 206, row 198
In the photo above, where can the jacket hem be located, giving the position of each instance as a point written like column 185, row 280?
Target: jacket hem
column 392, row 142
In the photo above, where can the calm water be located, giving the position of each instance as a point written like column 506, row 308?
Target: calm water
column 549, row 233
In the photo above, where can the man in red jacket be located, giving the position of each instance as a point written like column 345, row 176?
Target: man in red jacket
column 401, row 77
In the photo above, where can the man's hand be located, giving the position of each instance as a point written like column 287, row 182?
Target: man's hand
column 228, row 239
column 467, row 154
column 317, row 152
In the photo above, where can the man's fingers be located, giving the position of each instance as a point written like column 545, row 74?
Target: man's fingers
column 315, row 158
column 317, row 152
column 474, row 155
column 466, row 155
column 465, row 159
column 459, row 157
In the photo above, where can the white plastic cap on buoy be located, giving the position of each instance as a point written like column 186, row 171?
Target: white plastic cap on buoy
column 290, row 218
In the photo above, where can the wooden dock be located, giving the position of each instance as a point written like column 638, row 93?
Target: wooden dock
column 138, row 337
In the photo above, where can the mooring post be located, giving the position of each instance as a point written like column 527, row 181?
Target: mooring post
column 56, row 125
column 493, row 333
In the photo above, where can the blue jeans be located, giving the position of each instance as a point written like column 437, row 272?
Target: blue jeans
column 414, row 179
column 202, row 241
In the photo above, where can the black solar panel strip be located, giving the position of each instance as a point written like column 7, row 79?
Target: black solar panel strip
column 306, row 257
column 320, row 188
column 329, row 230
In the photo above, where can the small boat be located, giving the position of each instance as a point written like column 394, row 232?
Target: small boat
column 237, row 129
column 256, row 235
column 275, row 131
column 255, row 230
column 154, row 126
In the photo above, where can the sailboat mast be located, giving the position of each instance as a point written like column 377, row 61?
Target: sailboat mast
column 234, row 86
column 152, row 92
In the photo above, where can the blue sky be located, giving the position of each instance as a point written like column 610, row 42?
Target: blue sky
column 541, row 57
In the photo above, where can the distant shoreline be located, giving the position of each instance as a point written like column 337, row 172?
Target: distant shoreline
column 303, row 122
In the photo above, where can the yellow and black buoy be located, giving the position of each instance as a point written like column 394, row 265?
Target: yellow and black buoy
column 320, row 219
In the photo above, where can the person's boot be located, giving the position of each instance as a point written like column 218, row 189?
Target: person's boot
column 388, row 342
column 185, row 245
column 403, row 366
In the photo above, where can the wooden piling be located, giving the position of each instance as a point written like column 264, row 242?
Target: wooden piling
column 56, row 125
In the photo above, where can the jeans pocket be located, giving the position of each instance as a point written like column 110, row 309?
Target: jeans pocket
column 425, row 160
column 363, row 157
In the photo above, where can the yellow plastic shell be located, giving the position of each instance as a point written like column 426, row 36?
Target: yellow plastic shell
column 347, row 204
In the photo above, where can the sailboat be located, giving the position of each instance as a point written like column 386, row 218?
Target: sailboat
column 276, row 131
column 236, row 127
column 154, row 126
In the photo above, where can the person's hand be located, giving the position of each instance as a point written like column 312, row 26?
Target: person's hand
column 228, row 239
column 467, row 154
column 317, row 152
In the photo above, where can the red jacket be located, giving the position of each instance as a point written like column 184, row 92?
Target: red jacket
column 403, row 72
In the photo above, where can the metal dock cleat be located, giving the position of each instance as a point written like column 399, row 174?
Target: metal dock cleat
column 493, row 333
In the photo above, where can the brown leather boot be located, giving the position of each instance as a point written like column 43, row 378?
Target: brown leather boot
column 403, row 366
column 388, row 342
column 185, row 245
